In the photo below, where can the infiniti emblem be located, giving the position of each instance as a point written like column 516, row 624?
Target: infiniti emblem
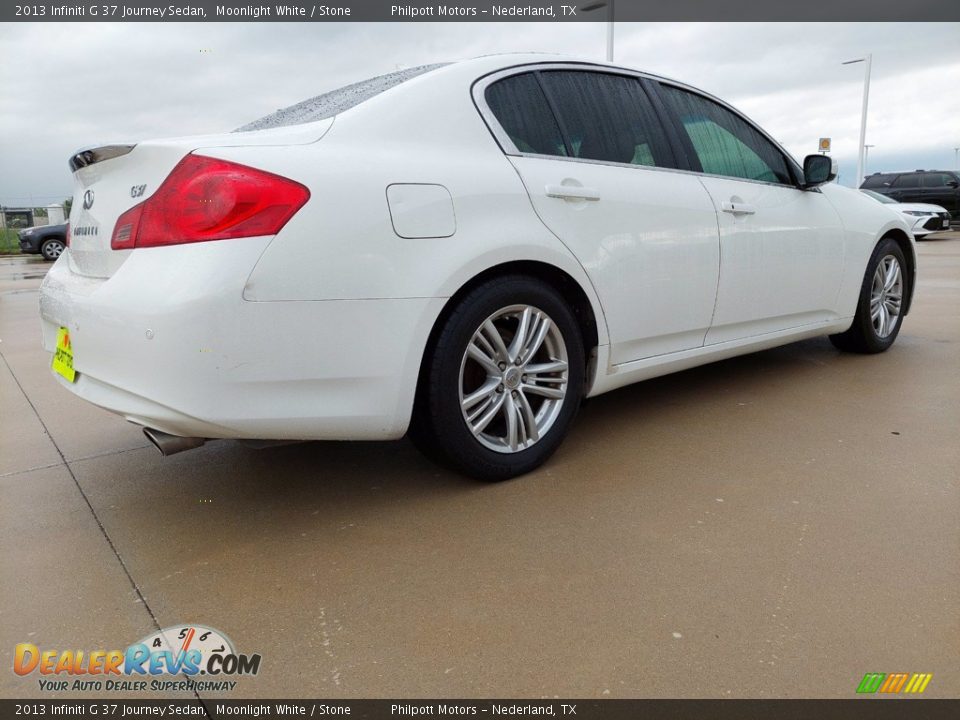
column 88, row 200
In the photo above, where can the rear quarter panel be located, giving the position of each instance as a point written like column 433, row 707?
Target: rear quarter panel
column 342, row 244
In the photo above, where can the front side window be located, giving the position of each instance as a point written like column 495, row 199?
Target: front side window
column 606, row 117
column 522, row 110
column 936, row 180
column 724, row 143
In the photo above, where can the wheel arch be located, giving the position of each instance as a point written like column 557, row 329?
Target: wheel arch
column 910, row 255
column 591, row 330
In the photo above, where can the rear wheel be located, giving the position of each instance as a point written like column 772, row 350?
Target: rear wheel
column 880, row 309
column 503, row 382
column 52, row 248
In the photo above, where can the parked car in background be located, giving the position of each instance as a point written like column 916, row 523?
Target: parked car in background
column 466, row 251
column 46, row 240
column 935, row 187
column 923, row 219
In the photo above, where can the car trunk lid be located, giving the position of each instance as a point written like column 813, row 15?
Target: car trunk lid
column 110, row 179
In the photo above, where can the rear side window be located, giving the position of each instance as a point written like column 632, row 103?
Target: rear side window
column 876, row 181
column 522, row 110
column 908, row 180
column 724, row 143
column 607, row 117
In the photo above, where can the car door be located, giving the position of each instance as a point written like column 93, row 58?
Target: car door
column 940, row 189
column 600, row 173
column 907, row 188
column 781, row 248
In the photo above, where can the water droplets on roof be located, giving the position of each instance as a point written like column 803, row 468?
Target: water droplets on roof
column 336, row 101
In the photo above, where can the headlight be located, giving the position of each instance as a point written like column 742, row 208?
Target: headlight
column 28, row 231
column 916, row 213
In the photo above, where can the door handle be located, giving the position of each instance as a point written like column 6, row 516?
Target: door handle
column 737, row 208
column 572, row 192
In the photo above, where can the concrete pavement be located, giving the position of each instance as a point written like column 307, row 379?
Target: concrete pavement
column 774, row 525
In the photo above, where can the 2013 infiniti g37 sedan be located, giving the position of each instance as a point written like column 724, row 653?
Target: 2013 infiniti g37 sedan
column 464, row 251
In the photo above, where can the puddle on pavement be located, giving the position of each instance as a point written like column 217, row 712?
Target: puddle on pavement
column 28, row 276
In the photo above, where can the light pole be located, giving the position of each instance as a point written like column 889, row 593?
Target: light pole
column 866, row 158
column 956, row 157
column 867, row 60
column 608, row 4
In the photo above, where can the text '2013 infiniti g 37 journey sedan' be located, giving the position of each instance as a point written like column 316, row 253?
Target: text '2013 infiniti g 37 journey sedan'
column 465, row 251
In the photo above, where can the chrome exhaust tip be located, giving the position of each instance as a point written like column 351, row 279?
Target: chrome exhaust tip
column 171, row 444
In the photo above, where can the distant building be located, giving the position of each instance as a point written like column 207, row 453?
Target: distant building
column 55, row 214
column 17, row 218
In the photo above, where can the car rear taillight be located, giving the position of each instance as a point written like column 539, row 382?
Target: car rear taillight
column 205, row 199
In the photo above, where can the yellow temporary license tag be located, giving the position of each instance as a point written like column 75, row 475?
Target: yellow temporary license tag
column 63, row 356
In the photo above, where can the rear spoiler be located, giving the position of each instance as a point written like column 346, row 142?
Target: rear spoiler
column 83, row 158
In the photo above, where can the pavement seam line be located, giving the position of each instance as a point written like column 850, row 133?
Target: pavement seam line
column 103, row 530
column 76, row 482
column 82, row 458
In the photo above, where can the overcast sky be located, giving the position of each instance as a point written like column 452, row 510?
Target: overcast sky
column 66, row 86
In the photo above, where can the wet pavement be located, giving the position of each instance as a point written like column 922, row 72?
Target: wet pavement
column 775, row 525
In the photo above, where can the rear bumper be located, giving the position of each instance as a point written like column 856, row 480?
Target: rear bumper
column 169, row 343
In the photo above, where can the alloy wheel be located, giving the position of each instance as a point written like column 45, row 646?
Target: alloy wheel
column 886, row 296
column 513, row 378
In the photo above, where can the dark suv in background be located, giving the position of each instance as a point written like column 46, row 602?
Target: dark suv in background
column 46, row 240
column 936, row 187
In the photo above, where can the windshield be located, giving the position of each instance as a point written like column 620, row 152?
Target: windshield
column 879, row 198
column 336, row 101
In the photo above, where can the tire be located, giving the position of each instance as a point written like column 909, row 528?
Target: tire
column 875, row 326
column 514, row 417
column 51, row 249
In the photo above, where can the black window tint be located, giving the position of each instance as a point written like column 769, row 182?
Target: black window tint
column 876, row 181
column 936, row 180
column 724, row 142
column 607, row 117
column 521, row 109
column 907, row 180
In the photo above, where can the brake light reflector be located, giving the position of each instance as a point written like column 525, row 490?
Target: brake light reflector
column 205, row 199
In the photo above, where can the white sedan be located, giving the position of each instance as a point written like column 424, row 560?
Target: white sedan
column 464, row 251
column 923, row 218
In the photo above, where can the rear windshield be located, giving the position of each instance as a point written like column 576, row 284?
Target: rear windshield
column 336, row 101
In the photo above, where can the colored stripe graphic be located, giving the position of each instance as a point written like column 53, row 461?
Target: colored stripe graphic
column 918, row 683
column 871, row 682
column 893, row 683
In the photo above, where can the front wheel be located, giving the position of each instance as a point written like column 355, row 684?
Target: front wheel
column 52, row 249
column 503, row 381
column 880, row 309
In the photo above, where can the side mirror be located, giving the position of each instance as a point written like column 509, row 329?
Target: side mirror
column 953, row 183
column 817, row 170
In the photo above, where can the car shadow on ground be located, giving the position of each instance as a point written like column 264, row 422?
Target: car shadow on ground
column 354, row 474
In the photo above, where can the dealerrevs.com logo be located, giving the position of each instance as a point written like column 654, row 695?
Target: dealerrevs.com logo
column 153, row 663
